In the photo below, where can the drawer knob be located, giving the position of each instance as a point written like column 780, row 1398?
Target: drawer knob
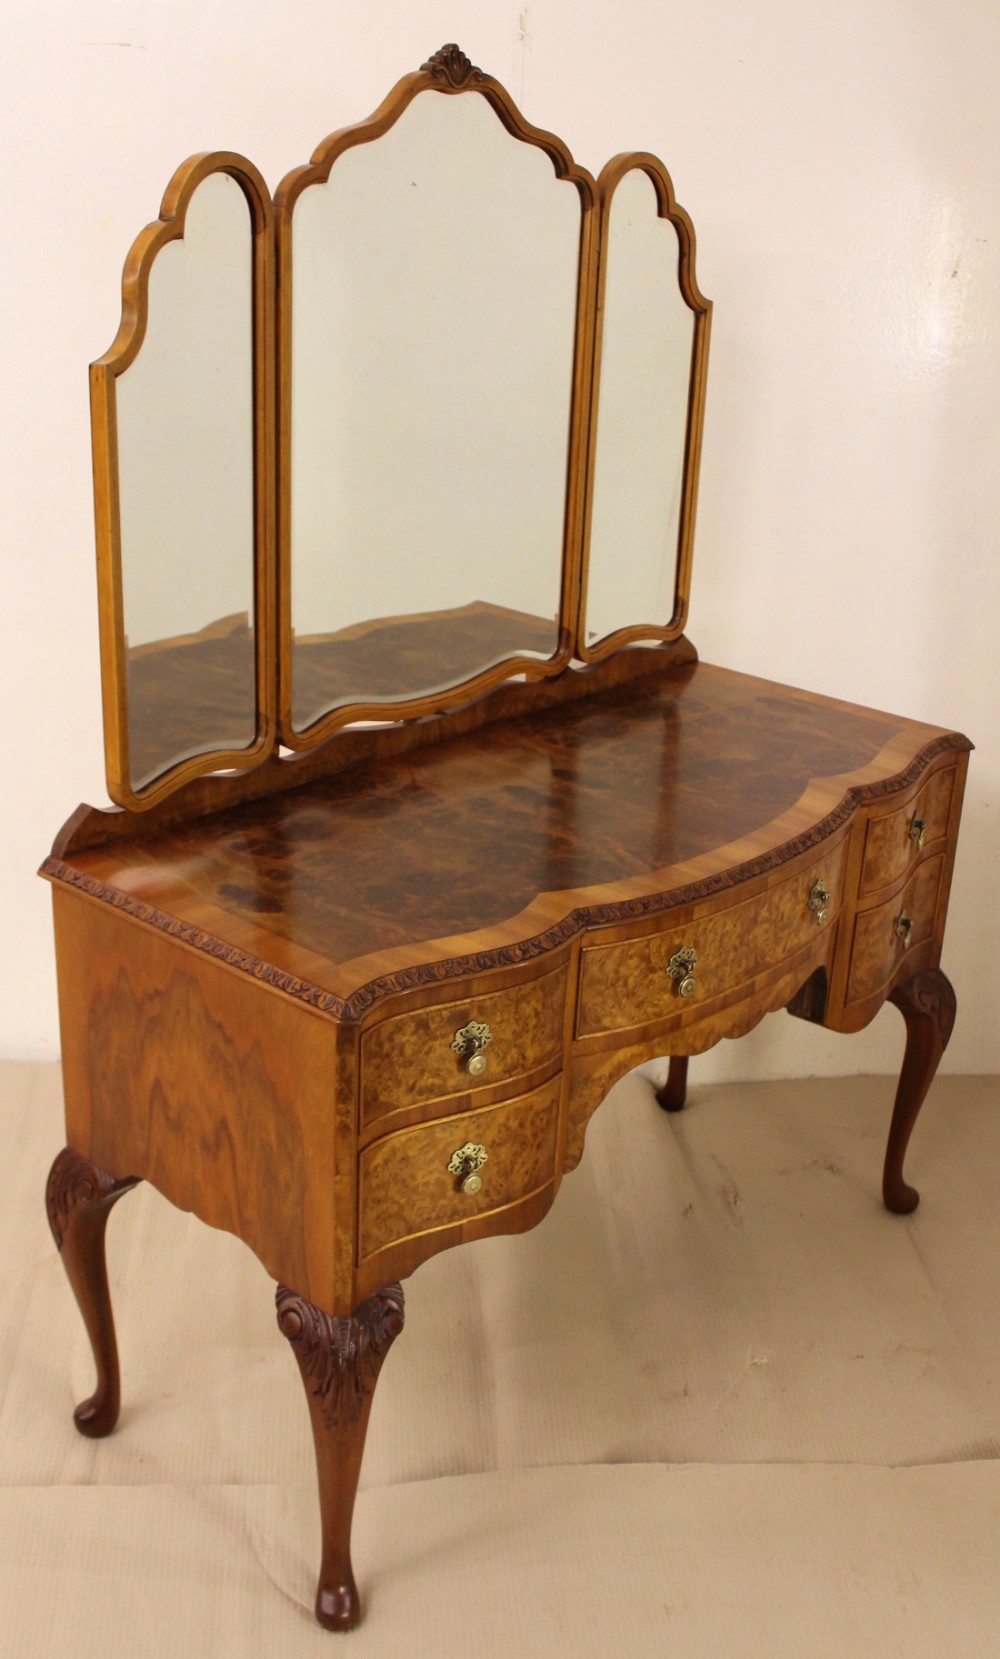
column 818, row 902
column 465, row 1165
column 470, row 1044
column 904, row 929
column 918, row 829
column 681, row 968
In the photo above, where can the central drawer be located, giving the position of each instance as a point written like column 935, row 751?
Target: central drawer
column 411, row 1059
column 640, row 981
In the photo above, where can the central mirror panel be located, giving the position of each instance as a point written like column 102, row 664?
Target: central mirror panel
column 431, row 359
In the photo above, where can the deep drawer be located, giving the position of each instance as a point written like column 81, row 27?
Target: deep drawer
column 883, row 934
column 406, row 1188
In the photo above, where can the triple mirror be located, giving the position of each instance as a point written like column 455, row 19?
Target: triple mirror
column 428, row 421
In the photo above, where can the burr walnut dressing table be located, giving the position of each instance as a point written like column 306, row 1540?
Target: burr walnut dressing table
column 429, row 824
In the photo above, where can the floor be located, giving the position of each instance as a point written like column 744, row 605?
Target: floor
column 719, row 1404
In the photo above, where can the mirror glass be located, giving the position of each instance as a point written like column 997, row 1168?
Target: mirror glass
column 645, row 370
column 185, row 424
column 433, row 323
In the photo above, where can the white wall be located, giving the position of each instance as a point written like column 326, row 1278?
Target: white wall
column 840, row 164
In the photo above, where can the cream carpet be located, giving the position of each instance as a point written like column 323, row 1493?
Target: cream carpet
column 719, row 1404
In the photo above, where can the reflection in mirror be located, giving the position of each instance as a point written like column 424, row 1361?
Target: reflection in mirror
column 435, row 291
column 186, row 492
column 645, row 376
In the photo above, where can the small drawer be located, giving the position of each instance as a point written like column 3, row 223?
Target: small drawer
column 411, row 1059
column 642, row 980
column 407, row 1189
column 895, row 841
column 883, row 935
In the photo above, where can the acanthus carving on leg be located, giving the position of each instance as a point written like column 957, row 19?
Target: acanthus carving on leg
column 79, row 1197
column 927, row 1004
column 340, row 1360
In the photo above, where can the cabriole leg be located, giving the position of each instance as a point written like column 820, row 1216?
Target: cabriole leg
column 927, row 1004
column 674, row 1091
column 340, row 1361
column 79, row 1198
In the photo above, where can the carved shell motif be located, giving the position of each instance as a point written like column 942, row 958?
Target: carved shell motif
column 451, row 64
column 340, row 1359
column 76, row 1184
column 929, row 994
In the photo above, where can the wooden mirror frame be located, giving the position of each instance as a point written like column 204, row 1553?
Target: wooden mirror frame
column 104, row 425
column 450, row 72
column 608, row 180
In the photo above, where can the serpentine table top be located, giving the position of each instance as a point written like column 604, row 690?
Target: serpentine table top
column 494, row 846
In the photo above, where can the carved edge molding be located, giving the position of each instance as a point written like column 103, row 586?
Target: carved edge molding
column 450, row 63
column 340, row 1358
column 55, row 870
column 75, row 1183
column 576, row 921
column 889, row 786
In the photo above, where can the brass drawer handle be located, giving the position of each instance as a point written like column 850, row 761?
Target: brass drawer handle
column 818, row 902
column 465, row 1165
column 918, row 829
column 470, row 1043
column 904, row 929
column 681, row 968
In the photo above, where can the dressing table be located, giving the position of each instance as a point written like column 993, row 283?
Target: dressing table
column 429, row 824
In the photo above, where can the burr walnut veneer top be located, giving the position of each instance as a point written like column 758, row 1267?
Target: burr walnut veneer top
column 501, row 843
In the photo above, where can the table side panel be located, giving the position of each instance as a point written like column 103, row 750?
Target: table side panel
column 213, row 1087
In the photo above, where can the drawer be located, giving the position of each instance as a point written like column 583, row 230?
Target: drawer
column 881, row 937
column 409, row 1060
column 894, row 841
column 628, row 984
column 406, row 1189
